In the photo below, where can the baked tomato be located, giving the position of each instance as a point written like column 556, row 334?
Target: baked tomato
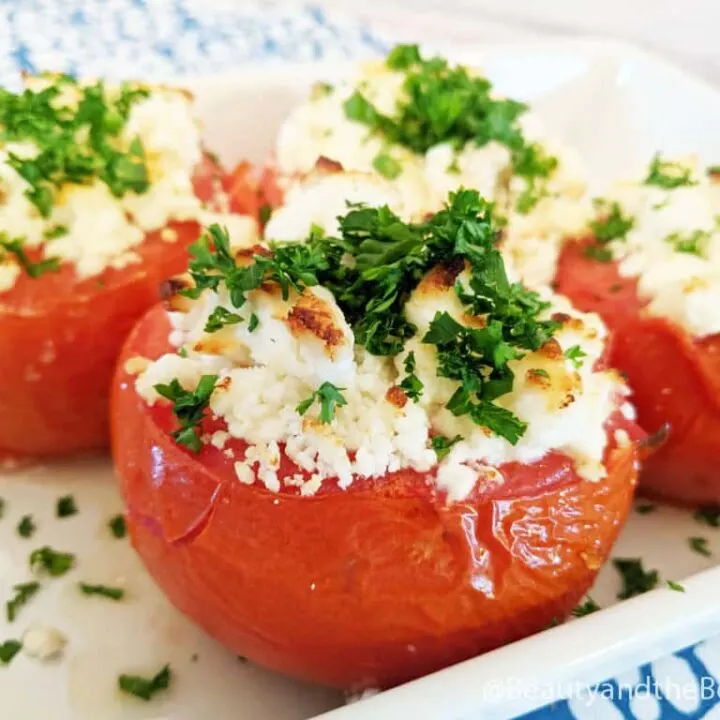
column 674, row 377
column 364, row 587
column 60, row 337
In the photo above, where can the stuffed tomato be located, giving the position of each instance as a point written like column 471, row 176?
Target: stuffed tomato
column 102, row 190
column 367, row 454
column 649, row 266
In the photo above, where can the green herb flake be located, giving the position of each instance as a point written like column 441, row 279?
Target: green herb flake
column 189, row 408
column 708, row 515
column 441, row 444
column 668, row 175
column 387, row 166
column 692, row 243
column 636, row 580
column 8, row 650
column 587, row 607
column 54, row 563
column 265, row 213
column 57, row 231
column 220, row 318
column 645, row 508
column 575, row 355
column 66, row 506
column 145, row 688
column 539, row 372
column 253, row 323
column 700, row 546
column 411, row 383
column 117, row 527
column 15, row 247
column 26, row 527
column 112, row 593
column 23, row 593
column 713, row 170
column 329, row 398
column 676, row 586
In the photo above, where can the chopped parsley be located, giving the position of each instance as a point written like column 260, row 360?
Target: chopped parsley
column 329, row 398
column 700, row 546
column 8, row 650
column 117, row 527
column 676, row 586
column 373, row 267
column 189, row 408
column 253, row 322
column 55, row 232
column 444, row 104
column 441, row 444
column 708, row 515
column 51, row 561
column 77, row 143
column 23, row 593
column 645, row 508
column 265, row 212
column 692, row 243
column 112, row 593
column 15, row 247
column 610, row 225
column 540, row 372
column 66, row 506
column 636, row 580
column 668, row 175
column 575, row 355
column 26, row 527
column 586, row 608
column 219, row 318
column 387, row 166
column 145, row 688
column 411, row 383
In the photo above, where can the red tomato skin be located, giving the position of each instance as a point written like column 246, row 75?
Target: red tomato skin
column 675, row 379
column 59, row 340
column 368, row 587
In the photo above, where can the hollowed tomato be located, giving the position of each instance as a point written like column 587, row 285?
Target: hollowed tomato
column 366, row 587
column 675, row 378
column 60, row 338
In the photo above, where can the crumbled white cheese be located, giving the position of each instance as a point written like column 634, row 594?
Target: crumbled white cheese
column 43, row 643
column 682, row 286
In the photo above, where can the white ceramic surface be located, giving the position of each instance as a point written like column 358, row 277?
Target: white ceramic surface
column 618, row 106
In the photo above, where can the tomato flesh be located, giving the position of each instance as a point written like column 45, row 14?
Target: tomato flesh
column 675, row 378
column 60, row 338
column 367, row 587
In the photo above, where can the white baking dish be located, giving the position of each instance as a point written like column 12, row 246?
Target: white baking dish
column 617, row 106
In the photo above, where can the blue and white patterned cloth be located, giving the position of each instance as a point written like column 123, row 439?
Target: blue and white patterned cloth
column 162, row 39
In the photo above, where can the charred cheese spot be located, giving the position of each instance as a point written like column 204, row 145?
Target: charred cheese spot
column 568, row 321
column 551, row 350
column 328, row 165
column 440, row 279
column 396, row 396
column 538, row 378
column 312, row 315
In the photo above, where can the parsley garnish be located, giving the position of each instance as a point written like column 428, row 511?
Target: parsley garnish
column 117, row 526
column 66, row 506
column 265, row 212
column 112, row 593
column 189, row 408
column 34, row 270
column 676, row 586
column 411, row 383
column 540, row 372
column 387, row 166
column 700, row 546
column 449, row 104
column 329, row 397
column 77, row 143
column 8, row 650
column 586, row 608
column 23, row 593
column 610, row 225
column 693, row 243
column 575, row 355
column 219, row 318
column 441, row 444
column 55, row 232
column 253, row 322
column 145, row 688
column 26, row 527
column 52, row 562
column 636, row 580
column 708, row 515
column 668, row 175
